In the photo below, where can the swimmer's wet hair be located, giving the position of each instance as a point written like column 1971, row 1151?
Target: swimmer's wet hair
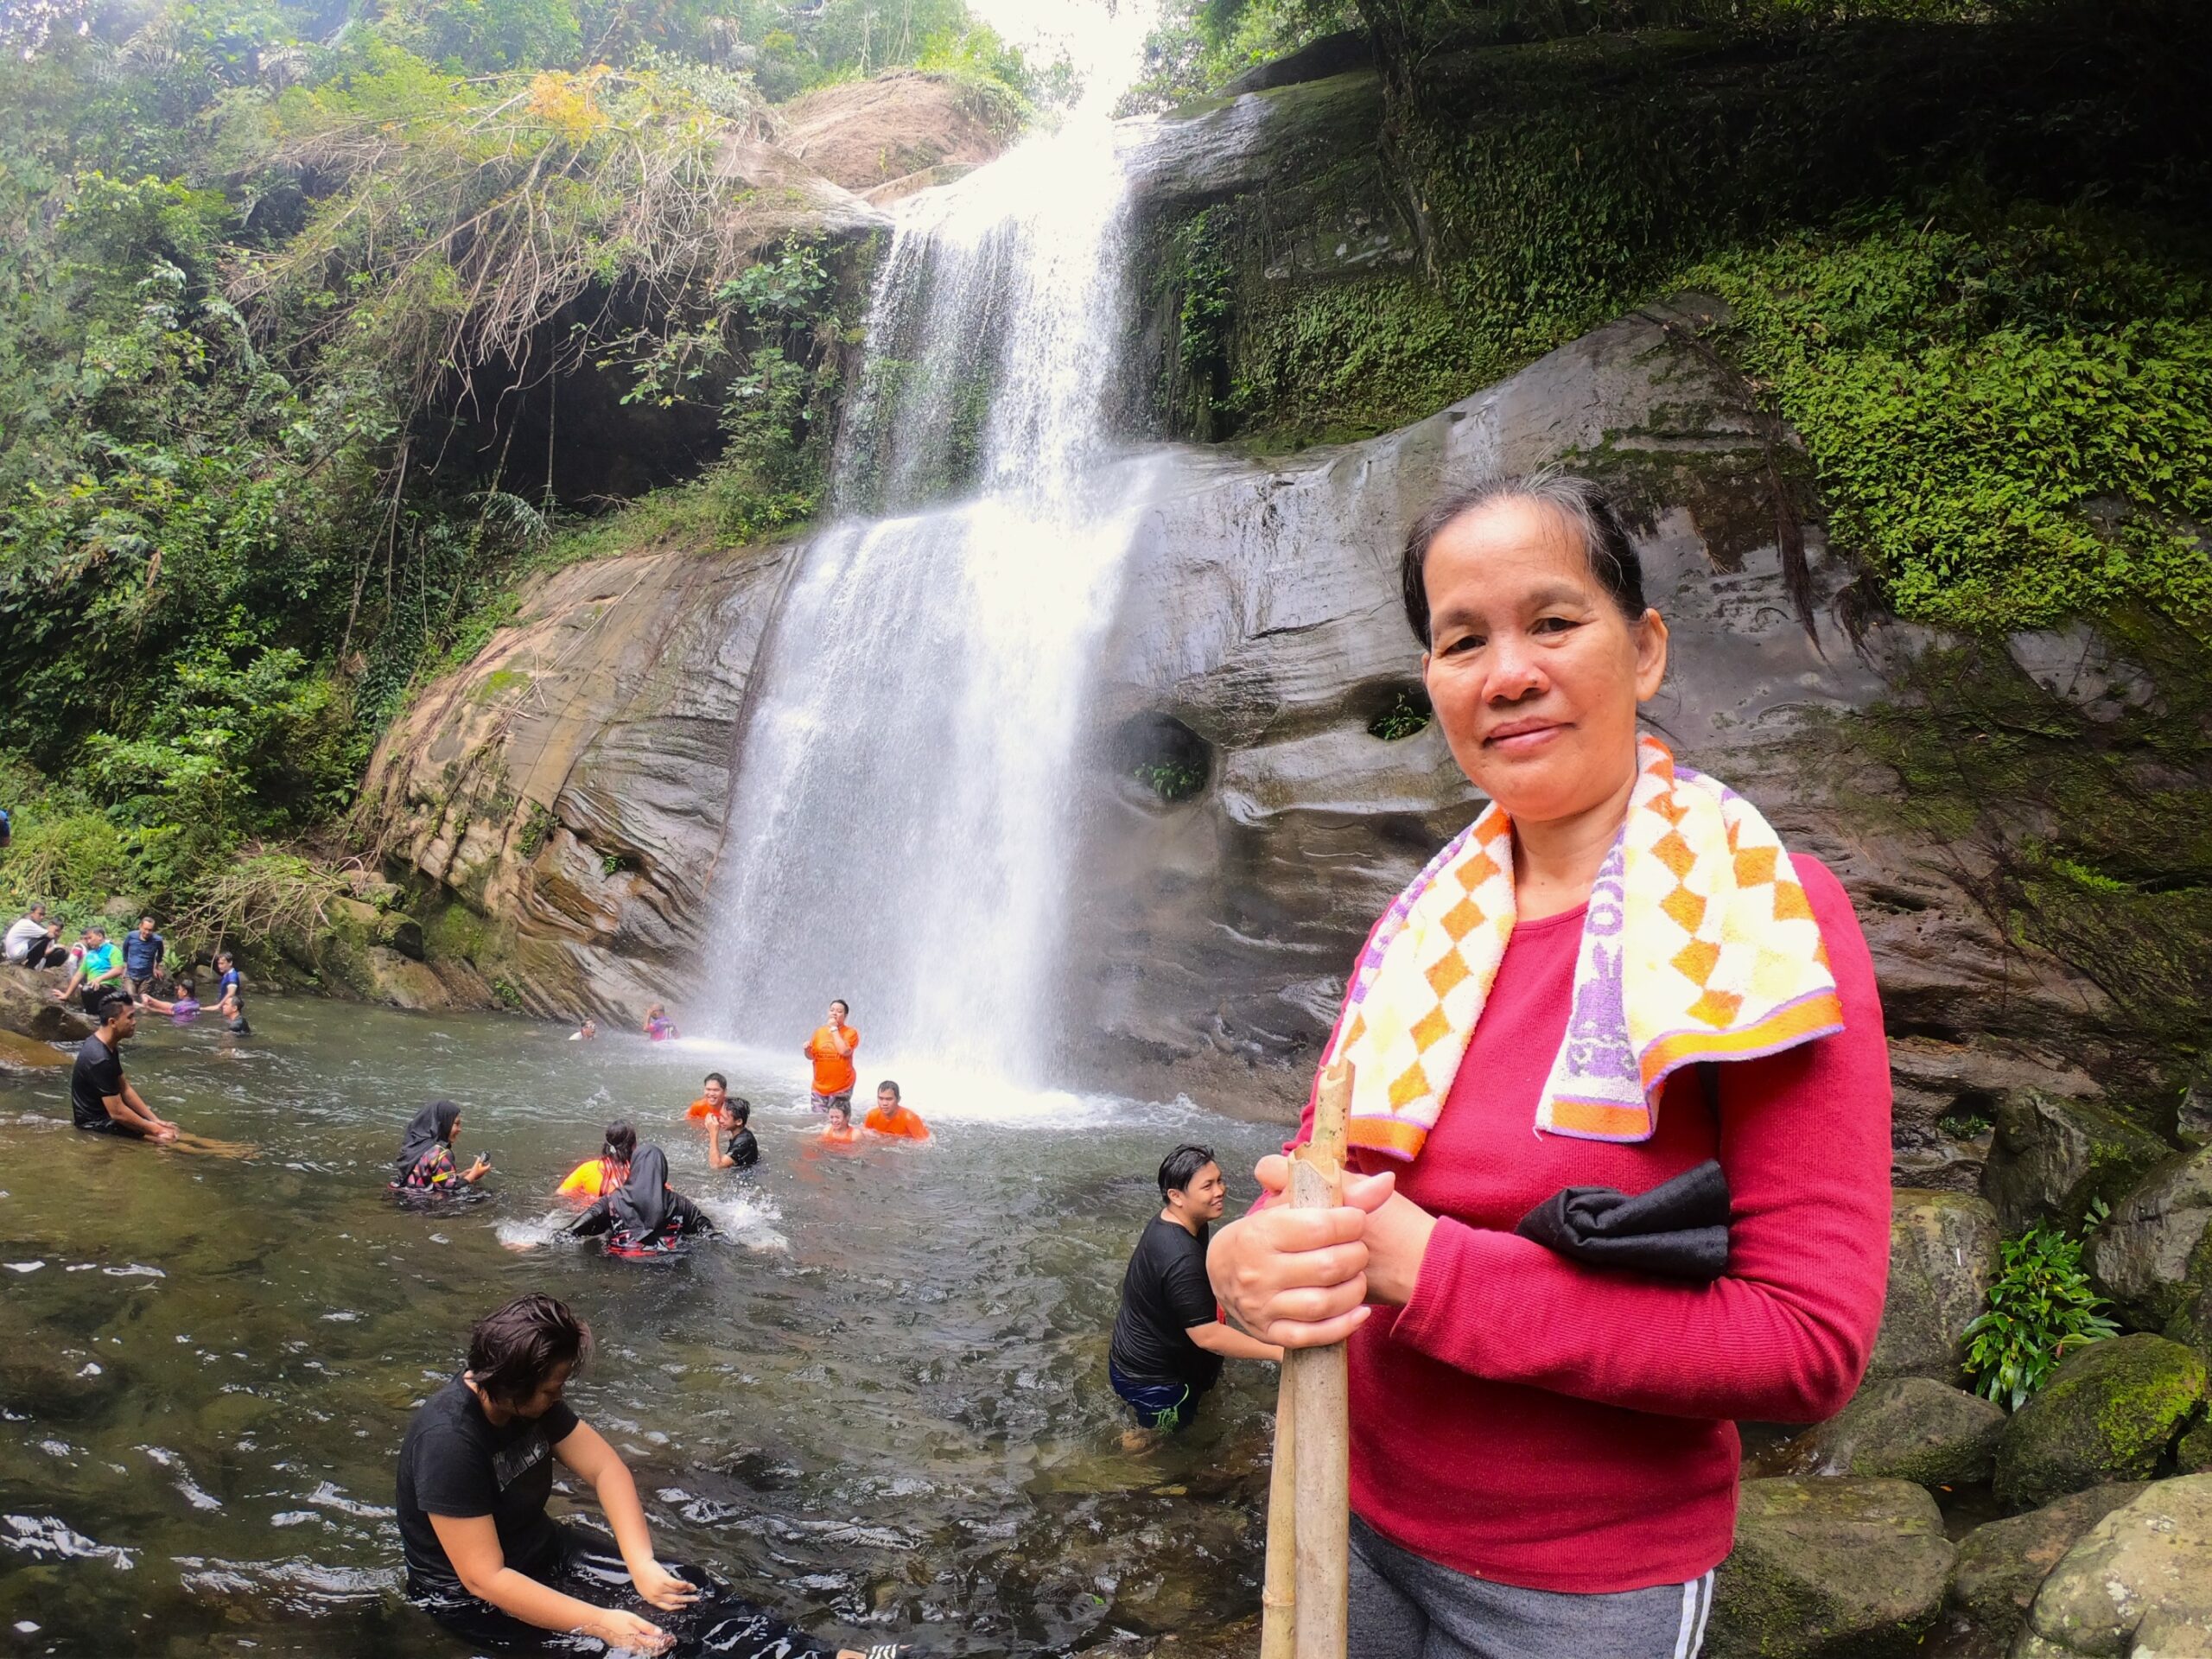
column 892, row 1086
column 1588, row 510
column 1181, row 1167
column 511, row 1352
column 716, row 1076
column 740, row 1109
column 621, row 1141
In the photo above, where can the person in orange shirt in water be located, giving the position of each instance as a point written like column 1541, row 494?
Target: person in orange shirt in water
column 708, row 1106
column 839, row 1131
column 831, row 1049
column 595, row 1178
column 890, row 1116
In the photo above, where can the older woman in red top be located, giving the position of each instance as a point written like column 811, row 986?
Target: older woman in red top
column 1617, row 978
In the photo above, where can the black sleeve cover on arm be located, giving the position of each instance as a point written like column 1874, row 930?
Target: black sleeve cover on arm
column 593, row 1221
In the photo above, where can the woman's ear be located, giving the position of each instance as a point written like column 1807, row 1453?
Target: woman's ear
column 1650, row 655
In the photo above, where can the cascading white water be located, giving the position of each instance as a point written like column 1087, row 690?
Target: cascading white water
column 902, row 814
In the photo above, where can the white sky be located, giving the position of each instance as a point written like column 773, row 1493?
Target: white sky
column 1101, row 38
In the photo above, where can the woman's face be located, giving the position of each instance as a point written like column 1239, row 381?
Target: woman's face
column 1534, row 673
column 453, row 1134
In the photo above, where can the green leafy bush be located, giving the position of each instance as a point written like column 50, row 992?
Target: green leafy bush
column 2041, row 1308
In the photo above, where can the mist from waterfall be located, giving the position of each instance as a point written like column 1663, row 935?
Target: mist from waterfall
column 902, row 816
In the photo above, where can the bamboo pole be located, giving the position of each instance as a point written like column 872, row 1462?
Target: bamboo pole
column 1279, row 1591
column 1303, row 1608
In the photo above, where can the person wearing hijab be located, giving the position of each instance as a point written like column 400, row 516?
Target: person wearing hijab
column 596, row 1178
column 644, row 1216
column 425, row 1161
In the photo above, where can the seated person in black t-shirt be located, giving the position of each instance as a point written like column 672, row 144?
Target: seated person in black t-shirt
column 730, row 1144
column 101, row 1099
column 487, row 1561
column 1169, row 1345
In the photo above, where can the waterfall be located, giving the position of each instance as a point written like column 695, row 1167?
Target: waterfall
column 901, row 820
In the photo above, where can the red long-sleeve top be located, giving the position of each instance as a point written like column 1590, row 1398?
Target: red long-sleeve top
column 1533, row 1421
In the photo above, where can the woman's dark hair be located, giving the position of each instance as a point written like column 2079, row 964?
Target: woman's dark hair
column 1181, row 1167
column 621, row 1141
column 511, row 1352
column 892, row 1087
column 1605, row 541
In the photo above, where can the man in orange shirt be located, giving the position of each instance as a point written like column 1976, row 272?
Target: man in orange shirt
column 831, row 1048
column 890, row 1116
column 708, row 1106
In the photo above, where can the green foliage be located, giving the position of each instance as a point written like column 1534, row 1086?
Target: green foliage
column 1170, row 780
column 2012, row 421
column 2041, row 1308
column 1199, row 44
column 1402, row 719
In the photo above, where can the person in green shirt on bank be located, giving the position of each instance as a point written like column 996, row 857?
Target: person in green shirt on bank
column 99, row 970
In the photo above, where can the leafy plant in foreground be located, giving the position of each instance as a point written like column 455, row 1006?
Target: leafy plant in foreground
column 2041, row 1308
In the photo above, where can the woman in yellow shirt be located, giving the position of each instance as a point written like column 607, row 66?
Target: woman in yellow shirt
column 595, row 1178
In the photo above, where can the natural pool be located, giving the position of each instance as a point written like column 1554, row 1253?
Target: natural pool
column 881, row 1404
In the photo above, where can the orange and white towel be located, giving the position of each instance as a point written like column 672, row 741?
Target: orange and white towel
column 1698, row 945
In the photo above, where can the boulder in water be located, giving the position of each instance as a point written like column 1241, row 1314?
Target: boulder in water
column 2108, row 1413
column 1830, row 1569
column 28, row 1007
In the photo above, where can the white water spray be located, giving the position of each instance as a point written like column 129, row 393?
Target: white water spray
column 899, row 829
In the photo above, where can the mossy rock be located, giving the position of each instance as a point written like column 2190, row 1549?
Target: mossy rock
column 2052, row 1157
column 1830, row 1569
column 2000, row 1565
column 2139, row 1582
column 1944, row 1251
column 2108, row 1413
column 2193, row 1451
column 1903, row 1429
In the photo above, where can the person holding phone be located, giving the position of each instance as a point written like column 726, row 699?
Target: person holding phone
column 425, row 1163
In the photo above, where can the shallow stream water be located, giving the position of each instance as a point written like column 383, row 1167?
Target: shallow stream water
column 880, row 1404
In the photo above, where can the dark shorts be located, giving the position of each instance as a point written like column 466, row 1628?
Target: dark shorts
column 1170, row 1406
column 89, row 996
column 719, row 1622
column 823, row 1102
column 113, row 1126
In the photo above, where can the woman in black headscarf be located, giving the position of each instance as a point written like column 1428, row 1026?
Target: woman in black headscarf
column 425, row 1161
column 642, row 1217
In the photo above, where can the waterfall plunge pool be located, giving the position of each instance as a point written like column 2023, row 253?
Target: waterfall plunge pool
column 882, row 1403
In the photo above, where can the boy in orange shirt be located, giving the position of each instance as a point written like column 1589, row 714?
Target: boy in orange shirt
column 831, row 1049
column 891, row 1117
column 708, row 1106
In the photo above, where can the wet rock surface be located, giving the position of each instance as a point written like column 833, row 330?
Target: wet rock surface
column 2140, row 1582
column 2153, row 1255
column 885, row 137
column 2001, row 1564
column 1942, row 1255
column 1830, row 1569
column 2052, row 1157
column 28, row 1008
column 2110, row 1412
column 1905, row 1428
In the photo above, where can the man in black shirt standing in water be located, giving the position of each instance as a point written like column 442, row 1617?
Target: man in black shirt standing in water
column 1169, row 1345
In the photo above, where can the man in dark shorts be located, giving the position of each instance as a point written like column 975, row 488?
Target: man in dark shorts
column 1168, row 1343
column 101, row 1099
column 487, row 1561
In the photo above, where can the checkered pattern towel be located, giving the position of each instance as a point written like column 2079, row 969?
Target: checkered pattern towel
column 1698, row 945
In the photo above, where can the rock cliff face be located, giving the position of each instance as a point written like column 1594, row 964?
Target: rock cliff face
column 562, row 798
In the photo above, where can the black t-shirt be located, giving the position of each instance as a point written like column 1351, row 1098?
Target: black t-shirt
column 456, row 1464
column 96, row 1074
column 743, row 1150
column 1164, row 1293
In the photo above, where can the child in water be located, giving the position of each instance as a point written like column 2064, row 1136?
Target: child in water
column 659, row 1027
column 425, row 1161
column 839, row 1131
column 186, row 1003
column 741, row 1151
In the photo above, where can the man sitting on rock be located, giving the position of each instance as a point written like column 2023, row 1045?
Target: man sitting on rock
column 34, row 942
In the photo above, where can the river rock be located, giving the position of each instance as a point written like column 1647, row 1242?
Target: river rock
column 2193, row 1451
column 2051, row 1157
column 2001, row 1564
column 2109, row 1412
column 2139, row 1582
column 28, row 1007
column 2153, row 1255
column 1942, row 1255
column 1904, row 1428
column 1830, row 1569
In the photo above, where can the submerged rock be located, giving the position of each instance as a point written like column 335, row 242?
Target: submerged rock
column 1906, row 1429
column 2052, row 1157
column 1944, row 1251
column 1830, row 1569
column 2140, row 1582
column 2000, row 1565
column 2108, row 1413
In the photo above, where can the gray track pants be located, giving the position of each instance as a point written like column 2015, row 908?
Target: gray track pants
column 1406, row 1607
